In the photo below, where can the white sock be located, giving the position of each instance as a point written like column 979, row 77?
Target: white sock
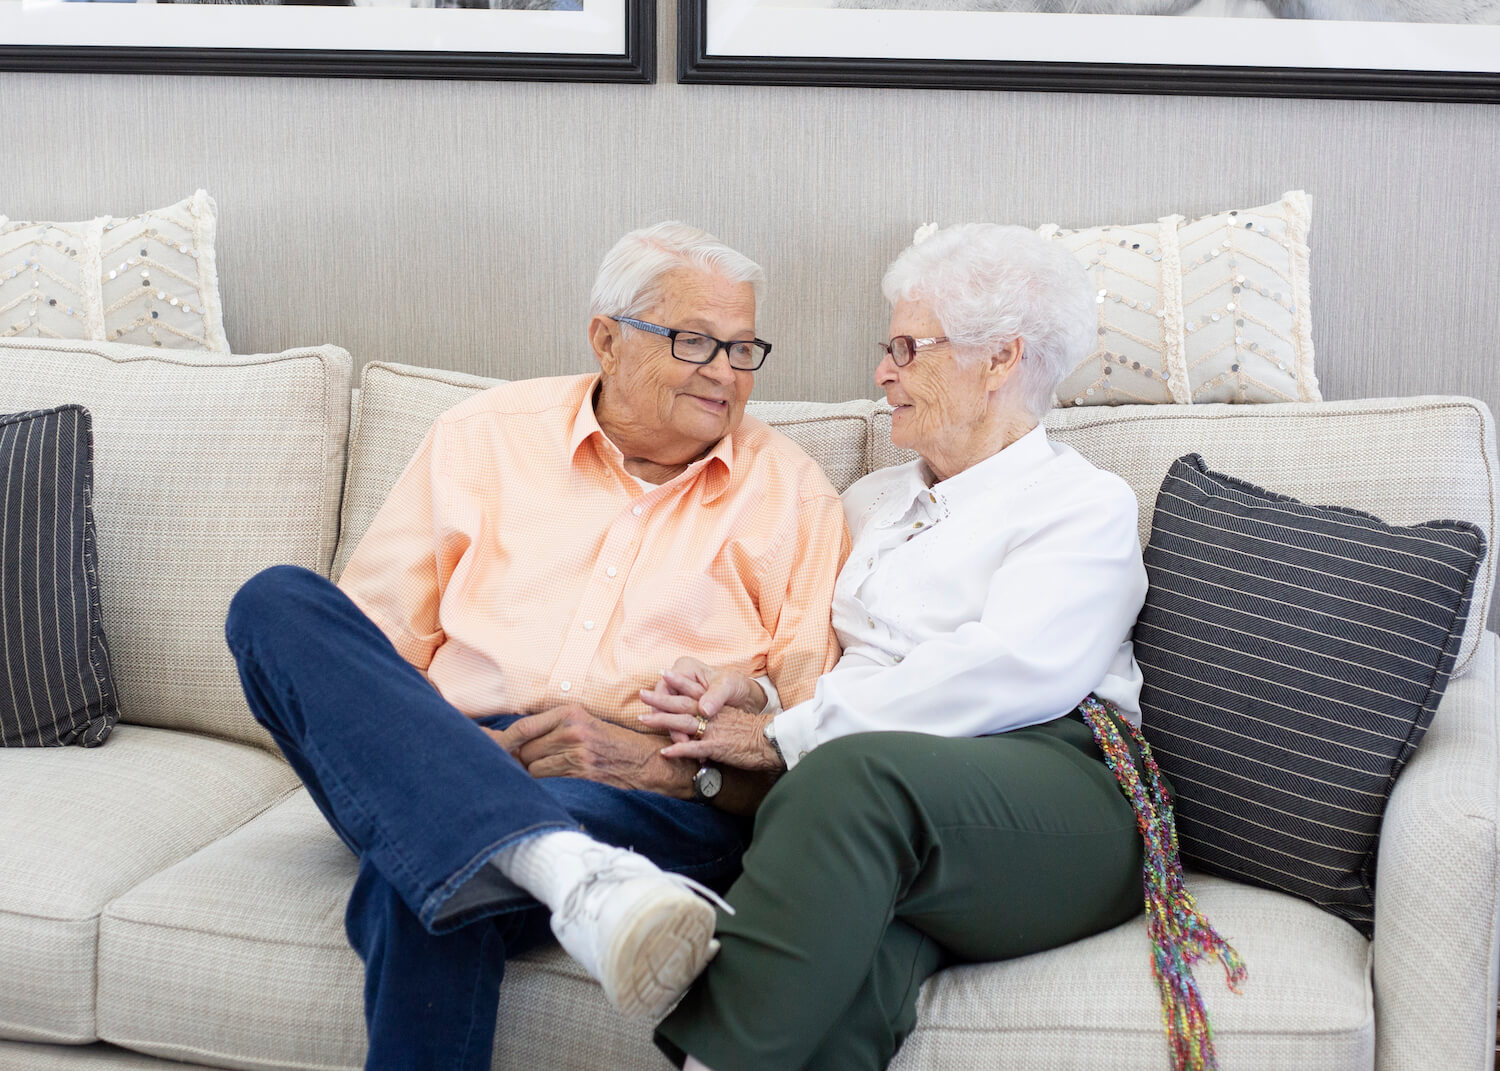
column 547, row 865
column 695, row 1064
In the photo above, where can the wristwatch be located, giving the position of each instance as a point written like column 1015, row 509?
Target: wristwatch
column 770, row 735
column 707, row 782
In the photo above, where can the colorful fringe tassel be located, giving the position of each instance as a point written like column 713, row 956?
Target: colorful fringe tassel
column 1180, row 935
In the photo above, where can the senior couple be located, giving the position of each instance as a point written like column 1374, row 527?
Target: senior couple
column 480, row 709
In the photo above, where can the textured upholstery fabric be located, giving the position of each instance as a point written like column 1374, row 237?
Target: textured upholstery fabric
column 398, row 403
column 236, row 957
column 80, row 827
column 1214, row 309
column 148, row 279
column 31, row 1056
column 1293, row 656
column 59, row 686
column 1407, row 460
column 1438, row 889
column 206, row 469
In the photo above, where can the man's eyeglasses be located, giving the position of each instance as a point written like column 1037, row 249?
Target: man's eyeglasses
column 902, row 348
column 696, row 348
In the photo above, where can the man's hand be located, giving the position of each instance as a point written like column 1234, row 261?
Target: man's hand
column 568, row 741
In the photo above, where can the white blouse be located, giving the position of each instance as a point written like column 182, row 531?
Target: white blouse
column 993, row 600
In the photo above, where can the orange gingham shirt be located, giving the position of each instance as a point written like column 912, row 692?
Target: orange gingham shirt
column 520, row 566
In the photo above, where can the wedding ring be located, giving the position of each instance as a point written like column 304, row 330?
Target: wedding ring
column 702, row 727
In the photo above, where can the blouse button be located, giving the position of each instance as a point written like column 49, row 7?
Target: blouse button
column 899, row 657
column 917, row 525
column 871, row 621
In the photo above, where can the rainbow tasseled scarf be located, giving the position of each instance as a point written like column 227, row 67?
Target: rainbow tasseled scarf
column 1180, row 935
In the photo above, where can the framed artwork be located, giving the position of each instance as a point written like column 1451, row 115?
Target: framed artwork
column 532, row 40
column 1437, row 50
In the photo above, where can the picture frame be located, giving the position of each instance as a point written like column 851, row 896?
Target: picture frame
column 814, row 43
column 599, row 41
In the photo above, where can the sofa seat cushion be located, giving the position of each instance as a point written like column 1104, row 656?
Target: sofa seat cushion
column 1307, row 1002
column 207, row 468
column 236, row 957
column 81, row 827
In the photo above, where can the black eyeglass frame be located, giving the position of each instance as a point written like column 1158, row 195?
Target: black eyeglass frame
column 670, row 333
column 912, row 346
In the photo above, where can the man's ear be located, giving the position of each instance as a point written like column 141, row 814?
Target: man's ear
column 604, row 338
column 1005, row 362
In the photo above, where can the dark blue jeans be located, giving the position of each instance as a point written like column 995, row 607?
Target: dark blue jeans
column 426, row 799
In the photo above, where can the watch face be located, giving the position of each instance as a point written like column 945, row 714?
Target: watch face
column 708, row 781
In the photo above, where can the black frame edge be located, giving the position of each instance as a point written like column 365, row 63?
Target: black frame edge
column 636, row 66
column 696, row 67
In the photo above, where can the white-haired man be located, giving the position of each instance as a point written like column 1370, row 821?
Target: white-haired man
column 464, row 705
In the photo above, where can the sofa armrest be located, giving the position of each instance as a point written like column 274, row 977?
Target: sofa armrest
column 1437, row 888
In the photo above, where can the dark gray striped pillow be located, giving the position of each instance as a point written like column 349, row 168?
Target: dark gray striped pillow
column 1293, row 657
column 56, row 684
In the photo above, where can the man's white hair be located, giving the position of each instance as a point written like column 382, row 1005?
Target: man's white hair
column 629, row 280
column 990, row 284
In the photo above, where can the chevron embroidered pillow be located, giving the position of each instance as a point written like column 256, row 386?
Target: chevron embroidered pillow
column 1293, row 657
column 57, row 686
column 1213, row 309
column 148, row 279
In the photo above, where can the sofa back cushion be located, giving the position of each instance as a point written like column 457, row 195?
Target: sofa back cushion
column 1406, row 460
column 207, row 468
column 398, row 403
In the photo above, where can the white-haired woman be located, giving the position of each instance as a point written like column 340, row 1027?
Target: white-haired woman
column 947, row 798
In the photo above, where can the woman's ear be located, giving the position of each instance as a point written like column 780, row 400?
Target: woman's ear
column 1005, row 362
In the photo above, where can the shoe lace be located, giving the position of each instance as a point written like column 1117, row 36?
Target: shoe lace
column 614, row 868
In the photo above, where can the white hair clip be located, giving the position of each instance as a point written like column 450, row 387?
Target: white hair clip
column 924, row 232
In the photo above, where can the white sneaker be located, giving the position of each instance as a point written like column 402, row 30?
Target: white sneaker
column 637, row 929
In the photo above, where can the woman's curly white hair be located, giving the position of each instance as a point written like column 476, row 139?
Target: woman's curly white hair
column 989, row 284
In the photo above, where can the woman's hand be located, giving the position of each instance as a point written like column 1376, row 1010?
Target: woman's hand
column 692, row 687
column 704, row 710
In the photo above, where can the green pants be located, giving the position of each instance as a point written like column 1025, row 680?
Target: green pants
column 884, row 857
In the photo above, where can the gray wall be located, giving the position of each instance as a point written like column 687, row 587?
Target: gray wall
column 459, row 224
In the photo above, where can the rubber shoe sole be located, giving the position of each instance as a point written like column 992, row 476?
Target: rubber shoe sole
column 657, row 956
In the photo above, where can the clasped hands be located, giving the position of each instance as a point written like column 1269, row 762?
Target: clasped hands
column 570, row 741
column 707, row 712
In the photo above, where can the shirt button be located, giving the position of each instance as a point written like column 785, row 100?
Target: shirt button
column 588, row 626
column 636, row 510
column 566, row 686
column 610, row 571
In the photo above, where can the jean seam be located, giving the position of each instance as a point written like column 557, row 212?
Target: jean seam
column 439, row 896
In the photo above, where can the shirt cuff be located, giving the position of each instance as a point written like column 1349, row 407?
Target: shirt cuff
column 795, row 731
column 773, row 697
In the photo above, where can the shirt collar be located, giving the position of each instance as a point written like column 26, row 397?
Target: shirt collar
column 718, row 463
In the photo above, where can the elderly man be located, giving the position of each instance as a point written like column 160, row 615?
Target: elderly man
column 464, row 707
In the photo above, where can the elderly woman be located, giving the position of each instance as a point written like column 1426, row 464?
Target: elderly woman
column 947, row 799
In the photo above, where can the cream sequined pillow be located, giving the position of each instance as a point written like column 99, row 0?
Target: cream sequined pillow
column 148, row 279
column 1213, row 309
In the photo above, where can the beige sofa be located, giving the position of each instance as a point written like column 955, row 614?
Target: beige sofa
column 174, row 895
